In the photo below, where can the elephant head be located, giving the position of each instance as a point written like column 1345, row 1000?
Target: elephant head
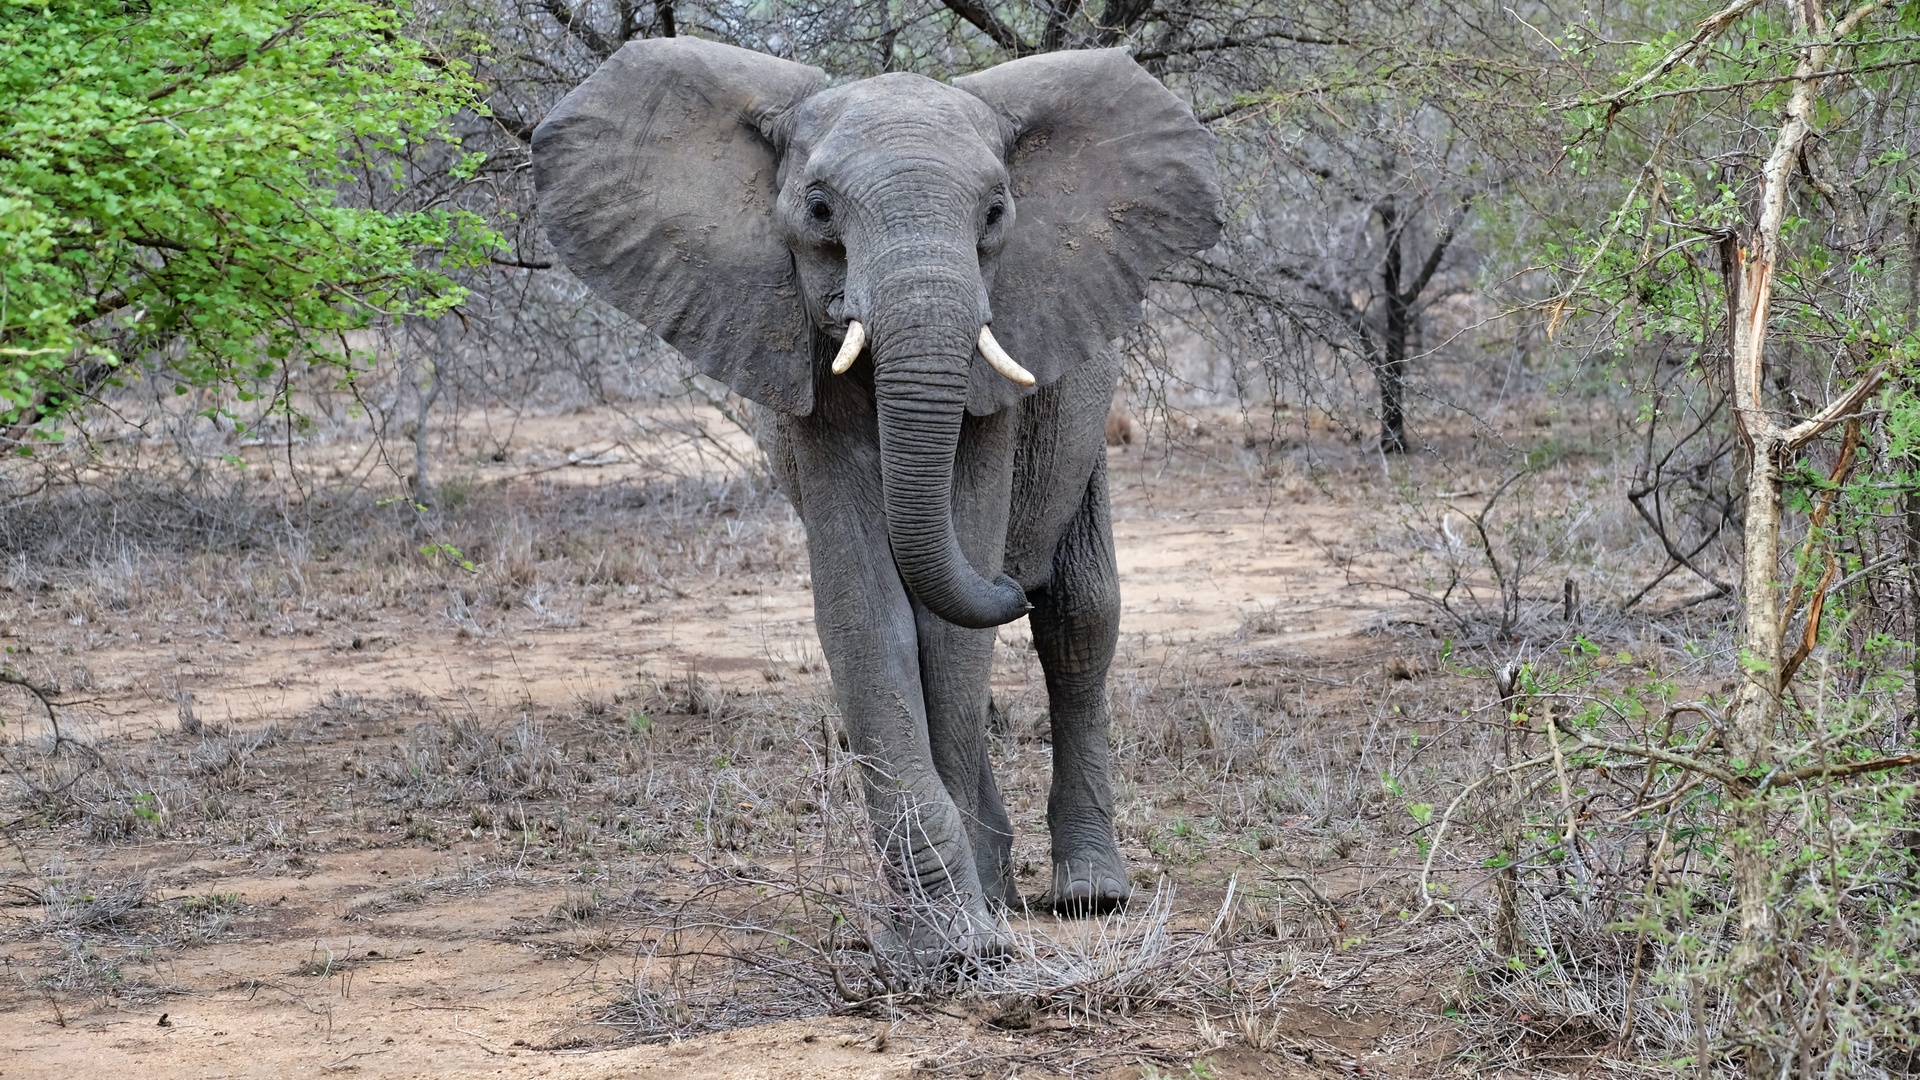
column 774, row 230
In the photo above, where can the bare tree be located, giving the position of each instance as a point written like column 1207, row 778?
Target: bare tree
column 1354, row 235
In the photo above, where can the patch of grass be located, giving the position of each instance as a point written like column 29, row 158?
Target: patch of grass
column 82, row 903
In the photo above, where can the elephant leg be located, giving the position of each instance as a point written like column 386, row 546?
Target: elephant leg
column 867, row 631
column 956, row 665
column 1076, row 623
column 869, row 635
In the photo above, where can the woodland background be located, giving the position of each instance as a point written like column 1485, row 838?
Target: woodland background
column 1611, row 311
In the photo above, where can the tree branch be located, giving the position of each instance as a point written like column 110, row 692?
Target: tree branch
column 574, row 22
column 984, row 20
column 1673, row 552
column 45, row 695
column 1330, row 301
column 232, row 63
column 1829, row 772
column 511, row 124
column 1810, row 429
column 1712, row 27
column 1232, row 42
column 1767, row 80
column 1118, row 19
column 1059, row 13
column 1440, row 242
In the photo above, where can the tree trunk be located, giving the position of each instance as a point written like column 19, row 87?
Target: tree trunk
column 424, row 397
column 1754, row 716
column 1753, row 721
column 1392, row 367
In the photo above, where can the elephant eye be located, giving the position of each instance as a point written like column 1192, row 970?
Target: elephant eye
column 994, row 214
column 818, row 210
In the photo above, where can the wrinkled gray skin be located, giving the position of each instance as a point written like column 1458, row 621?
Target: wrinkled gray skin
column 746, row 212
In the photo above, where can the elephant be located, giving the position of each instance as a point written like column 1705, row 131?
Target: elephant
column 920, row 286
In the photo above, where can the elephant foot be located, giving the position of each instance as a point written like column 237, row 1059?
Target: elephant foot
column 1089, row 883
column 966, row 937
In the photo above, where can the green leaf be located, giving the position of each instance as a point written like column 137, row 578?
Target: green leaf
column 171, row 191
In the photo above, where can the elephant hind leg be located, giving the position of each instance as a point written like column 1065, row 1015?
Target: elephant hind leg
column 1076, row 624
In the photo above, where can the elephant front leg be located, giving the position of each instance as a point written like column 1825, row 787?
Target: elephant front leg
column 869, row 635
column 1076, row 624
column 867, row 632
column 956, row 665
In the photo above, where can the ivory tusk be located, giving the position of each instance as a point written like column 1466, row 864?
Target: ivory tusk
column 1001, row 362
column 850, row 347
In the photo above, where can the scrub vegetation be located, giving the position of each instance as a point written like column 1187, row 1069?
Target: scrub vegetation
column 409, row 664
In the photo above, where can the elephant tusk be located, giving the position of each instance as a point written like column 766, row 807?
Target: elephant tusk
column 1001, row 362
column 856, row 340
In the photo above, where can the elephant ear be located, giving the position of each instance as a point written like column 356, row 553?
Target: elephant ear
column 1113, row 181
column 656, row 186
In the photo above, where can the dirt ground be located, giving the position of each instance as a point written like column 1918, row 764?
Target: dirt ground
column 346, row 806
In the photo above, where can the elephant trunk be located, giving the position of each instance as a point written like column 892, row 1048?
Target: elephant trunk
column 926, row 318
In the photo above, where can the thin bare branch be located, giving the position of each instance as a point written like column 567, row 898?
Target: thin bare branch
column 1710, row 28
column 574, row 21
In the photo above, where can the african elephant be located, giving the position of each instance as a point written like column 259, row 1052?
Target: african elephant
column 873, row 264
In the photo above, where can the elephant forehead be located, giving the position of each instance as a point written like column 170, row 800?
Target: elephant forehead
column 884, row 114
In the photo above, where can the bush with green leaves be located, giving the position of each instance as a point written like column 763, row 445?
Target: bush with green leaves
column 1708, row 854
column 169, row 178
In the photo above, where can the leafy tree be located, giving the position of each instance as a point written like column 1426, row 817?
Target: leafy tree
column 169, row 178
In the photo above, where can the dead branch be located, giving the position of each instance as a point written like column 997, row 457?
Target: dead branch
column 574, row 22
column 1831, row 772
column 983, row 19
column 1428, row 901
column 44, row 695
column 1811, row 633
column 1770, row 80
